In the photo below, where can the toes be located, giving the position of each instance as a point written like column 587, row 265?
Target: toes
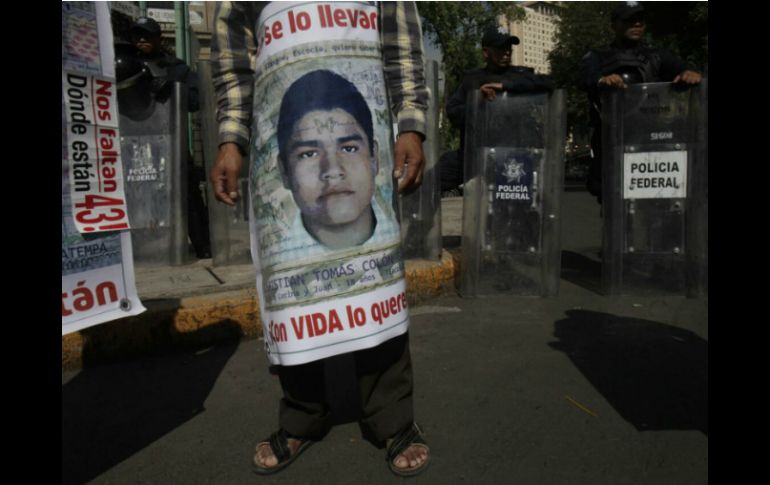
column 265, row 457
column 269, row 461
column 411, row 458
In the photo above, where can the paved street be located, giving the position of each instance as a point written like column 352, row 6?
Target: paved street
column 576, row 389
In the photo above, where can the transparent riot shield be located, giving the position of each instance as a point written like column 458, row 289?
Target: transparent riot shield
column 153, row 150
column 655, row 177
column 228, row 226
column 697, row 228
column 514, row 167
column 421, row 210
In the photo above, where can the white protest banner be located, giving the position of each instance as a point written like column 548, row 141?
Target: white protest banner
column 325, row 238
column 80, row 38
column 93, row 147
column 655, row 175
column 97, row 264
column 295, row 29
column 97, row 272
column 300, row 334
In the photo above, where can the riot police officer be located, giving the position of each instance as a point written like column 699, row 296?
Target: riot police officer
column 626, row 61
column 497, row 75
column 164, row 67
column 145, row 73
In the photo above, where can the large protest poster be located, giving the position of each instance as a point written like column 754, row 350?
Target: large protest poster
column 91, row 107
column 97, row 278
column 325, row 237
column 97, row 264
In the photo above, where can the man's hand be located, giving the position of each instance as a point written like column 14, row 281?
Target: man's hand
column 490, row 90
column 688, row 77
column 612, row 81
column 225, row 172
column 408, row 150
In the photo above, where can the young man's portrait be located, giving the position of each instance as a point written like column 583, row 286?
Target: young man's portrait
column 329, row 158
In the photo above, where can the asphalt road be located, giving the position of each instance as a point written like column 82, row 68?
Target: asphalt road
column 576, row 389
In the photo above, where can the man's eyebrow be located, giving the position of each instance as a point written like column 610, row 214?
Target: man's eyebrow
column 346, row 139
column 317, row 144
column 304, row 143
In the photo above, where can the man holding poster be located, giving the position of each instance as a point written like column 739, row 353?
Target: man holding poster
column 313, row 113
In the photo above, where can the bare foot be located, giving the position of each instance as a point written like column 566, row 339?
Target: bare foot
column 412, row 457
column 265, row 457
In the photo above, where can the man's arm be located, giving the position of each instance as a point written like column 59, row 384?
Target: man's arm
column 591, row 79
column 455, row 107
column 178, row 71
column 233, row 80
column 525, row 82
column 590, row 73
column 688, row 77
column 190, row 79
column 528, row 82
column 676, row 70
column 193, row 94
column 405, row 80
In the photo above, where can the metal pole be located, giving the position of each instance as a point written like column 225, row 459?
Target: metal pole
column 142, row 9
column 190, row 62
column 182, row 46
column 179, row 40
column 187, row 53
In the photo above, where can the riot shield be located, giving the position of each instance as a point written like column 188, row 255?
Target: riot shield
column 421, row 210
column 153, row 149
column 511, row 203
column 655, row 177
column 229, row 226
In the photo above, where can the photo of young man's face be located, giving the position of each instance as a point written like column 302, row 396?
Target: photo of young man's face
column 329, row 158
column 331, row 167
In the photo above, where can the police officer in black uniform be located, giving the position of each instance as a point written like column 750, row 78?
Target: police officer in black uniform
column 497, row 75
column 626, row 61
column 164, row 69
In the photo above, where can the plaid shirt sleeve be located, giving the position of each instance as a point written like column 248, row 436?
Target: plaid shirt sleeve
column 232, row 74
column 403, row 64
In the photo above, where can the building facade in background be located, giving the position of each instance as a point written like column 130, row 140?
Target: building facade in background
column 537, row 35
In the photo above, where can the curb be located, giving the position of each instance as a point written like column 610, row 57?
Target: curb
column 186, row 323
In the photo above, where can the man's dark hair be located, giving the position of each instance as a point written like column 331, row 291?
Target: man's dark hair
column 321, row 91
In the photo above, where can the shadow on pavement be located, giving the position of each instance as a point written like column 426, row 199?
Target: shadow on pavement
column 111, row 412
column 582, row 271
column 654, row 375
